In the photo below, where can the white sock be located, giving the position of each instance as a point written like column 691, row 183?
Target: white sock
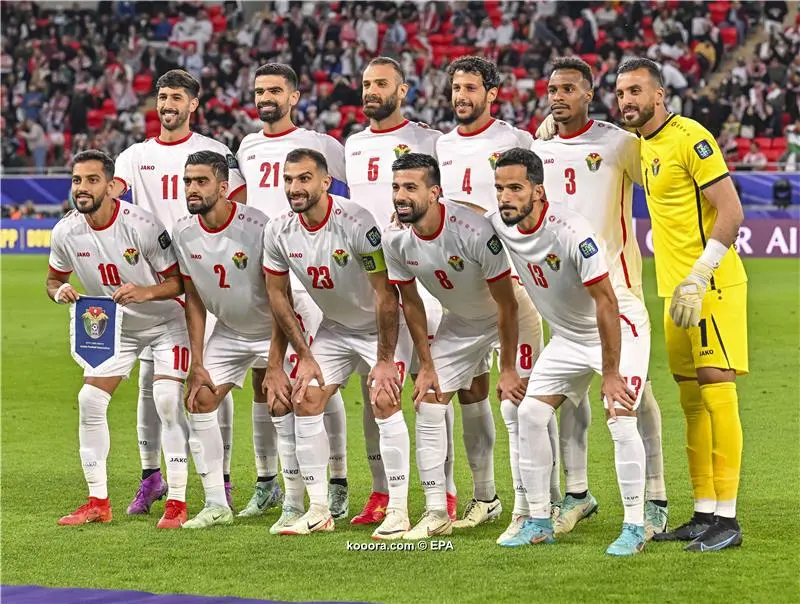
column 535, row 454
column 555, row 473
column 574, row 437
column 148, row 424
column 225, row 415
column 94, row 438
column 509, row 411
column 168, row 395
column 293, row 487
column 265, row 442
column 205, row 442
column 479, row 437
column 629, row 459
column 449, row 475
column 336, row 427
column 372, row 441
column 396, row 453
column 431, row 452
column 649, row 415
column 726, row 509
column 312, row 450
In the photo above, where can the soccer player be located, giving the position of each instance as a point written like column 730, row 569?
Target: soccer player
column 696, row 215
column 454, row 252
column 591, row 165
column 153, row 170
column 219, row 248
column 124, row 252
column 466, row 160
column 369, row 155
column 261, row 157
column 334, row 247
column 595, row 328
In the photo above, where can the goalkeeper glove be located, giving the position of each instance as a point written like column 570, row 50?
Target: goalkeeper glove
column 687, row 299
column 547, row 129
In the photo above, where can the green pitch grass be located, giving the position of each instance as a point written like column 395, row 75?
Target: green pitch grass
column 42, row 480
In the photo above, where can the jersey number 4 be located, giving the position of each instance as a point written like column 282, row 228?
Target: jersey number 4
column 320, row 277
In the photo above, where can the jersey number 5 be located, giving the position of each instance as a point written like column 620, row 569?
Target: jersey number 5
column 321, row 277
column 372, row 169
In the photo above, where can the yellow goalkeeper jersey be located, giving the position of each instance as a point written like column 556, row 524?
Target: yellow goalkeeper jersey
column 679, row 160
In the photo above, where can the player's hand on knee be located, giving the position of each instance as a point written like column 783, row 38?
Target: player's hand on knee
column 198, row 379
column 277, row 387
column 426, row 381
column 547, row 129
column 384, row 378
column 308, row 374
column 615, row 390
column 510, row 386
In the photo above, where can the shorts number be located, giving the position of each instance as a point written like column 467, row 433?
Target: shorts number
column 270, row 169
column 569, row 174
column 321, row 277
column 165, row 182
column 466, row 183
column 300, row 321
column 109, row 274
column 442, row 277
column 401, row 369
column 220, row 270
column 294, row 359
column 525, row 356
column 636, row 385
column 537, row 274
column 703, row 333
column 372, row 169
column 180, row 358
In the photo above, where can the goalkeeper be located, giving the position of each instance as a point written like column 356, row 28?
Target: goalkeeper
column 695, row 213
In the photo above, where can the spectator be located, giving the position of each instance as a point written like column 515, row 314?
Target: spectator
column 755, row 158
column 792, row 157
column 36, row 142
column 367, row 32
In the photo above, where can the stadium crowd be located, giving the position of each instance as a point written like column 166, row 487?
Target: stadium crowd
column 78, row 79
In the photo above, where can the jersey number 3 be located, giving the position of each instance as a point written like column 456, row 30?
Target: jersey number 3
column 569, row 175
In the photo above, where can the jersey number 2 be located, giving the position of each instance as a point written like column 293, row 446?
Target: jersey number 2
column 220, row 270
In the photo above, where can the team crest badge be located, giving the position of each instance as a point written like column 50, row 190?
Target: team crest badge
column 341, row 257
column 95, row 321
column 456, row 262
column 131, row 256
column 553, row 261
column 656, row 166
column 401, row 149
column 493, row 159
column 593, row 161
column 240, row 260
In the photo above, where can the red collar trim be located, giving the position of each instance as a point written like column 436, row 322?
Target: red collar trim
column 477, row 132
column 324, row 220
column 538, row 223
column 110, row 222
column 588, row 125
column 279, row 134
column 223, row 226
column 374, row 131
column 178, row 142
column 438, row 230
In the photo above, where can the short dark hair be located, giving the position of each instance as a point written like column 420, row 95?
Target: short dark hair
column 642, row 63
column 297, row 155
column 523, row 157
column 279, row 69
column 96, row 155
column 575, row 64
column 216, row 161
column 486, row 69
column 391, row 63
column 413, row 161
column 178, row 78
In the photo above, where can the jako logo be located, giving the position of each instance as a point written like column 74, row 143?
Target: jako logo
column 147, row 167
column 197, row 256
column 428, row 483
column 449, row 162
column 412, row 262
column 549, row 160
column 397, row 477
column 83, row 254
column 290, row 472
column 308, row 478
column 177, row 460
column 295, row 254
column 705, row 353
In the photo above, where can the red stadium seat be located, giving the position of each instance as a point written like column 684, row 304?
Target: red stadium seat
column 520, row 72
column 764, row 142
column 780, row 143
column 541, row 88
column 214, row 10
column 321, row 76
column 730, row 36
column 151, row 116
column 219, row 23
column 590, row 58
column 152, row 129
column 336, row 133
column 773, row 155
column 109, row 107
column 94, row 119
column 143, row 84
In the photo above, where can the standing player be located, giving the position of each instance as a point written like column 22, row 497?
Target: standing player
column 456, row 255
column 563, row 267
column 334, row 247
column 369, row 155
column 219, row 248
column 592, row 165
column 153, row 170
column 124, row 252
column 466, row 159
column 696, row 215
column 261, row 157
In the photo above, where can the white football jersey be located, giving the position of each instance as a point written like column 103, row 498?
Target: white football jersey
column 134, row 248
column 154, row 171
column 261, row 157
column 224, row 265
column 369, row 155
column 454, row 264
column 330, row 260
column 556, row 261
column 467, row 161
column 593, row 172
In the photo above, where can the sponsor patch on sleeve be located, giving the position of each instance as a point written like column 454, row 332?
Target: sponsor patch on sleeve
column 164, row 240
column 495, row 245
column 588, row 248
column 232, row 163
column 703, row 149
column 373, row 262
column 374, row 236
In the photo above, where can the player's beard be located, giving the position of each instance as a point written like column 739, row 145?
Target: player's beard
column 179, row 120
column 275, row 115
column 383, row 110
column 413, row 216
column 204, row 207
column 644, row 115
column 477, row 111
column 96, row 203
column 311, row 199
column 519, row 216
